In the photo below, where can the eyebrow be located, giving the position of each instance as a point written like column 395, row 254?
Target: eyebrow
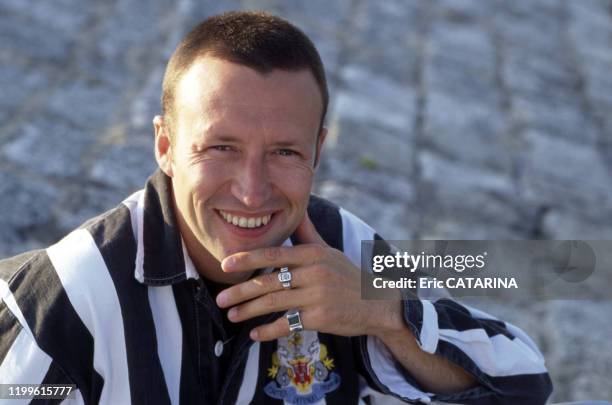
column 225, row 137
column 287, row 143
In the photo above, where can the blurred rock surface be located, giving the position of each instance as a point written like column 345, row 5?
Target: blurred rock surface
column 449, row 119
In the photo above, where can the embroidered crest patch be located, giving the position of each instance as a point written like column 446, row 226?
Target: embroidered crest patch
column 301, row 370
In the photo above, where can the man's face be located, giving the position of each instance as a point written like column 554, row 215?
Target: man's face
column 243, row 157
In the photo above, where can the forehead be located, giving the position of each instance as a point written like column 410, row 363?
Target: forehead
column 215, row 89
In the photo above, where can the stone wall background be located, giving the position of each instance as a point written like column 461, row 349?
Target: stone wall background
column 449, row 119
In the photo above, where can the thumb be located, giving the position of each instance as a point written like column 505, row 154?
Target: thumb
column 307, row 233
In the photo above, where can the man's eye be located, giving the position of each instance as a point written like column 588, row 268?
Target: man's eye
column 222, row 148
column 286, row 152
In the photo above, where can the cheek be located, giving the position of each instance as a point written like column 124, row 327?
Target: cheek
column 200, row 182
column 209, row 174
column 295, row 181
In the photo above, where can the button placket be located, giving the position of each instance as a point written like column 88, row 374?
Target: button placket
column 203, row 297
column 210, row 343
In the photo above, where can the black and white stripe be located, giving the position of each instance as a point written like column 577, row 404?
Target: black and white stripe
column 504, row 359
column 60, row 346
column 111, row 309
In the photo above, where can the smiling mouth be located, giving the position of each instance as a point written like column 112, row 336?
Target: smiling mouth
column 245, row 222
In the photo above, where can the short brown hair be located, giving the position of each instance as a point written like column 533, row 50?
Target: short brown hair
column 255, row 39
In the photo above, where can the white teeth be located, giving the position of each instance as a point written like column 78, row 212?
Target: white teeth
column 244, row 222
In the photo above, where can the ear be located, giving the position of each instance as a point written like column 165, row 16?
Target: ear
column 320, row 140
column 163, row 146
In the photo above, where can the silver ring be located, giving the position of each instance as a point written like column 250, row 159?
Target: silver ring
column 284, row 276
column 295, row 323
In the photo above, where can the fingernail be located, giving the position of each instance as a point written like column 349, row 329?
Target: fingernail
column 232, row 313
column 228, row 263
column 222, row 299
column 254, row 334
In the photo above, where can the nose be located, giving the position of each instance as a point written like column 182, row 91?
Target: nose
column 251, row 185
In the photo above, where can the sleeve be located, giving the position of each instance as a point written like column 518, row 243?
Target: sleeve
column 506, row 362
column 22, row 360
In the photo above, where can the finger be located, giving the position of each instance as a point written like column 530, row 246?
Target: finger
column 307, row 233
column 274, row 256
column 260, row 285
column 272, row 302
column 279, row 328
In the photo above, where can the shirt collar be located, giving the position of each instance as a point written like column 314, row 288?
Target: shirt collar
column 161, row 256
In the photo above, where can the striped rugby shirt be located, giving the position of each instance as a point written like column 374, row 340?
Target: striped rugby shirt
column 117, row 308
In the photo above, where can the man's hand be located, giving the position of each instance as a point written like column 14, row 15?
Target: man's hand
column 325, row 289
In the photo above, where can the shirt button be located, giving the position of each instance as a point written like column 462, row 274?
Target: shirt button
column 218, row 348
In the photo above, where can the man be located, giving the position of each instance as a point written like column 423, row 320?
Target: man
column 174, row 296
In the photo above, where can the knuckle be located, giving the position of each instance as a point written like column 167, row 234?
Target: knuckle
column 270, row 301
column 271, row 253
column 342, row 315
column 333, row 252
column 337, row 315
column 239, row 290
column 318, row 251
column 320, row 295
column 269, row 279
column 320, row 271
column 319, row 315
column 254, row 283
